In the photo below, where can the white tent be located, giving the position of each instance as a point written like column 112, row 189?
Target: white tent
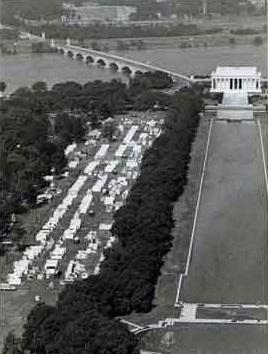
column 111, row 166
column 102, row 151
column 69, row 149
column 105, row 227
column 120, row 151
column 73, row 164
column 85, row 203
column 91, row 167
column 130, row 134
column 58, row 253
column 100, row 184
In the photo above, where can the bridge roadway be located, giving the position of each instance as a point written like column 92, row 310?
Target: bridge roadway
column 120, row 62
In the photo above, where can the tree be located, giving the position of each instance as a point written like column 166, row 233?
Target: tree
column 232, row 41
column 39, row 87
column 3, row 86
column 258, row 40
column 96, row 46
column 109, row 128
column 37, row 316
column 22, row 92
column 12, row 345
column 93, row 333
column 17, row 233
column 94, row 120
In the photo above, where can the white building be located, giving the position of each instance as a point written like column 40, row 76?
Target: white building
column 228, row 79
column 258, row 3
column 94, row 13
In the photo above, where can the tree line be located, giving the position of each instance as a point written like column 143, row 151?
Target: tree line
column 100, row 31
column 85, row 318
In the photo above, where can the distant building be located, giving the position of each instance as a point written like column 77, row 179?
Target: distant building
column 93, row 13
column 244, row 79
column 258, row 3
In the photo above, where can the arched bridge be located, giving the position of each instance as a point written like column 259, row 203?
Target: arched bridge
column 115, row 62
column 125, row 65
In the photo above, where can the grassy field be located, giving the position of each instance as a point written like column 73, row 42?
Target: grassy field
column 232, row 313
column 208, row 339
column 229, row 261
column 230, row 251
column 264, row 129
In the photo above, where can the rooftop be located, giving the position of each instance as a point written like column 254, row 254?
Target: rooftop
column 236, row 71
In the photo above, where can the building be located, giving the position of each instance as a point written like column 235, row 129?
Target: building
column 90, row 14
column 228, row 79
column 258, row 3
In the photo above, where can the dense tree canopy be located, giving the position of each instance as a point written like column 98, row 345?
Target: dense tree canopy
column 31, row 9
column 99, row 31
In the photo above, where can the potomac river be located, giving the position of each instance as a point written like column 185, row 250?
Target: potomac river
column 24, row 69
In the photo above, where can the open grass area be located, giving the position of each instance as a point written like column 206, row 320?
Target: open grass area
column 16, row 305
column 208, row 339
column 232, row 313
column 264, row 128
column 229, row 260
column 229, row 255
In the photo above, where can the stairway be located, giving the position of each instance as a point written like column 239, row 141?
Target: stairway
column 235, row 100
column 235, row 114
column 235, row 106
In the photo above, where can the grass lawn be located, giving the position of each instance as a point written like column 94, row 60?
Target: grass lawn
column 229, row 260
column 208, row 339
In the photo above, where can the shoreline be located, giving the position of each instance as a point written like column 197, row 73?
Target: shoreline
column 221, row 39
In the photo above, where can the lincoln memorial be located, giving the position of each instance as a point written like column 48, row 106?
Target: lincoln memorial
column 244, row 79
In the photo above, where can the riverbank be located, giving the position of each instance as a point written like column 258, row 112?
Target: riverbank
column 220, row 39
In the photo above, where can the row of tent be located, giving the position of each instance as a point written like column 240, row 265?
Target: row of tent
column 42, row 237
column 116, row 187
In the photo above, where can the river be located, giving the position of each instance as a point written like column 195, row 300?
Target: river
column 25, row 69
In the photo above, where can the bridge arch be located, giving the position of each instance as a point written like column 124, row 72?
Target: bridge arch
column 113, row 66
column 61, row 51
column 100, row 62
column 70, row 54
column 79, row 57
column 89, row 59
column 138, row 73
column 126, row 70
